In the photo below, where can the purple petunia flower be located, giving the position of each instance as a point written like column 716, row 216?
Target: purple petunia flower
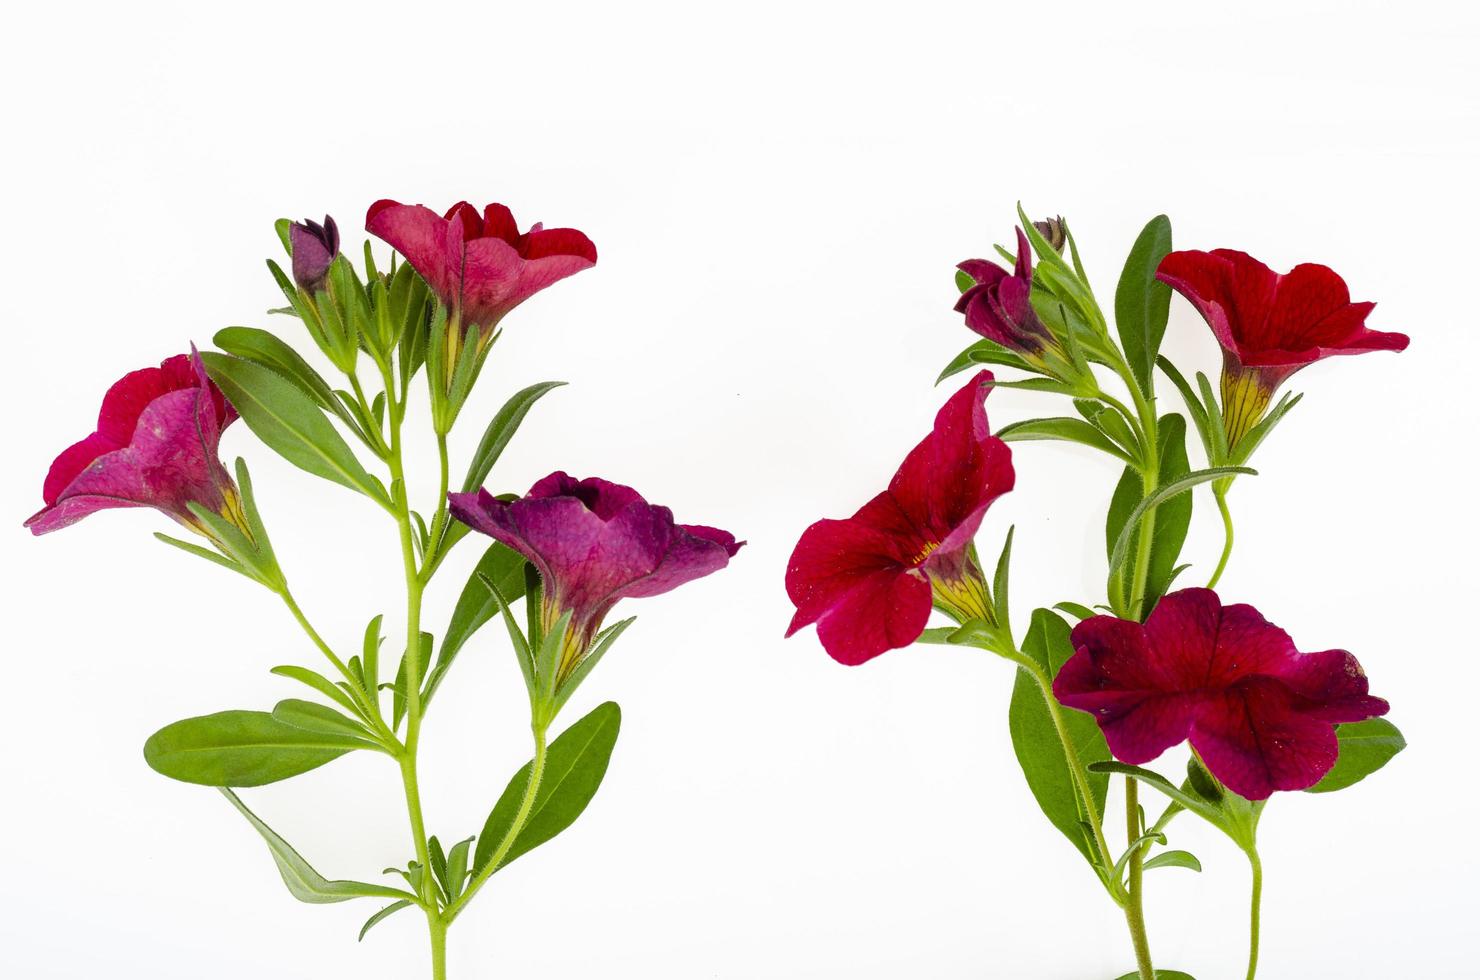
column 594, row 543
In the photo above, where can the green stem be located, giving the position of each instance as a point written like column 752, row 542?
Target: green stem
column 438, row 930
column 1255, row 894
column 1222, row 498
column 521, row 816
column 1135, row 916
column 439, row 520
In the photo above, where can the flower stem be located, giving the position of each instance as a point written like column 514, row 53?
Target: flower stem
column 1135, row 917
column 521, row 816
column 1222, row 497
column 1255, row 894
column 438, row 929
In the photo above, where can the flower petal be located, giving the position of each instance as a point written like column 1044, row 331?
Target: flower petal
column 1255, row 740
column 420, row 235
column 884, row 610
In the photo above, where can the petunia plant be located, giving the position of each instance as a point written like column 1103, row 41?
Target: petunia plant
column 569, row 550
column 1108, row 684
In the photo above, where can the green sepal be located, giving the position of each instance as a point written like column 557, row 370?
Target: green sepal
column 600, row 643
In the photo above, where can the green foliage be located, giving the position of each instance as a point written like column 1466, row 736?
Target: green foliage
column 574, row 766
column 290, row 423
column 1035, row 739
column 242, row 748
column 1141, row 302
column 1365, row 747
column 306, row 884
column 477, row 605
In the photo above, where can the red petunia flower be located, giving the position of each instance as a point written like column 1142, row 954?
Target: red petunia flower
column 480, row 266
column 1259, row 713
column 155, row 446
column 1270, row 325
column 867, row 582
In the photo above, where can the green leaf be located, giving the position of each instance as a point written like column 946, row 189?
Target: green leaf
column 1035, row 740
column 314, row 717
column 1172, row 518
column 319, row 683
column 384, row 913
column 1191, row 801
column 457, row 867
column 600, row 644
column 1173, row 859
column 241, row 748
column 1365, row 747
column 1063, row 429
column 266, row 348
column 500, row 430
column 1141, row 302
column 1161, row 975
column 289, row 422
column 477, row 605
column 1075, row 609
column 574, row 766
column 306, row 884
column 205, row 553
column 983, row 352
column 399, row 703
column 1163, row 494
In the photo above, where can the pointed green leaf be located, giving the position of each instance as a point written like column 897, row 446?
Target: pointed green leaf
column 574, row 766
column 1141, row 301
column 384, row 913
column 1064, row 429
column 1365, row 747
column 477, row 605
column 306, row 884
column 500, row 430
column 289, row 422
column 1173, row 859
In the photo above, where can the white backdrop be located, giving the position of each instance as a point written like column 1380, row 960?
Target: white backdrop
column 779, row 193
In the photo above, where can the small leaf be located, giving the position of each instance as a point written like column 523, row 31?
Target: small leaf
column 1208, row 811
column 290, row 423
column 313, row 717
column 983, row 352
column 241, row 748
column 1161, row 496
column 1365, row 747
column 1063, row 429
column 501, row 429
column 1173, row 859
column 574, row 766
column 1160, row 975
column 306, row 884
column 384, row 913
column 319, row 683
column 1075, row 609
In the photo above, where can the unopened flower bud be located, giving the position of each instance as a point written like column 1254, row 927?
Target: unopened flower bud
column 314, row 249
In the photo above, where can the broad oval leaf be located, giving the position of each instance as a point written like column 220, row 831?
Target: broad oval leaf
column 289, row 422
column 1365, row 746
column 1141, row 301
column 1035, row 740
column 241, row 748
column 306, row 884
column 574, row 767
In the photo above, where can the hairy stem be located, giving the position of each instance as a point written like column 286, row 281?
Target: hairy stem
column 1135, row 916
column 521, row 817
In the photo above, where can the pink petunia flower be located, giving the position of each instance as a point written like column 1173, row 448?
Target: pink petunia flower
column 155, row 446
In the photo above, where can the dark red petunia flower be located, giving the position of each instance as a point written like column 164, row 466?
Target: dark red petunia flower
column 867, row 582
column 998, row 306
column 156, row 446
column 480, row 266
column 1258, row 712
column 594, row 543
column 1269, row 325
column 314, row 248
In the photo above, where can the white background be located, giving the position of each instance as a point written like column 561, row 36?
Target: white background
column 779, row 193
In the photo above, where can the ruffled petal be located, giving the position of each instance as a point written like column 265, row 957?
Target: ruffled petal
column 883, row 611
column 1254, row 738
column 420, row 235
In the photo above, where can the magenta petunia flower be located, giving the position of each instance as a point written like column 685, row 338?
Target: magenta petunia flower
column 1269, row 325
column 998, row 306
column 480, row 266
column 155, row 446
column 869, row 581
column 314, row 248
column 593, row 544
column 1258, row 712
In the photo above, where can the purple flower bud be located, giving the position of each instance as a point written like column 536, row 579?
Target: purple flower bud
column 314, row 249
